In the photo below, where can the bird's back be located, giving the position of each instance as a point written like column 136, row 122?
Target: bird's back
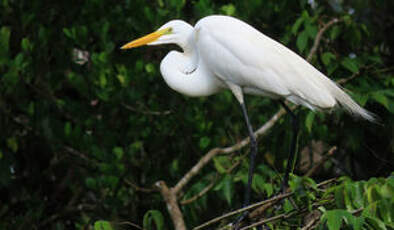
column 239, row 53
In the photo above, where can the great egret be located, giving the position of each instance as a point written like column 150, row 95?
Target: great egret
column 222, row 52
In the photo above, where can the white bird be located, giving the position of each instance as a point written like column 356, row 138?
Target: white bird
column 222, row 52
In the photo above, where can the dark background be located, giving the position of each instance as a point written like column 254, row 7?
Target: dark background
column 85, row 127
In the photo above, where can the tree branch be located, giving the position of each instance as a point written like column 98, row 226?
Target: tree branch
column 321, row 162
column 201, row 193
column 259, row 204
column 319, row 36
column 213, row 152
column 172, row 205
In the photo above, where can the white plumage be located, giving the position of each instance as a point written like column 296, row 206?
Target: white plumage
column 221, row 51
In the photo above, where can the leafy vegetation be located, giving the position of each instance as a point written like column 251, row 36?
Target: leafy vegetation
column 87, row 130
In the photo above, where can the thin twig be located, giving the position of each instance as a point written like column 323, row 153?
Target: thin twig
column 227, row 150
column 201, row 193
column 277, row 217
column 279, row 197
column 319, row 36
column 329, row 154
column 138, row 188
column 313, row 220
column 261, row 203
column 146, row 112
column 283, row 216
column 131, row 224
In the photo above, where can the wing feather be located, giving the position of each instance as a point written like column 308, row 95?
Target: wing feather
column 251, row 59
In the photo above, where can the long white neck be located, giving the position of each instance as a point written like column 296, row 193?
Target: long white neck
column 184, row 73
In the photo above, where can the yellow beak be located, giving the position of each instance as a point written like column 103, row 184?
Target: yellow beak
column 146, row 39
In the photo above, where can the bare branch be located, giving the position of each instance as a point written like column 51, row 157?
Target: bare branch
column 319, row 36
column 138, row 188
column 131, row 224
column 313, row 219
column 279, row 197
column 213, row 152
column 258, row 204
column 201, row 193
column 172, row 205
column 146, row 112
column 321, row 162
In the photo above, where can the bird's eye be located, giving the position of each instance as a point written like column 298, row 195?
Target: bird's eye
column 169, row 30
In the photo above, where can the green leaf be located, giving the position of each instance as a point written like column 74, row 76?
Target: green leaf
column 30, row 108
column 4, row 41
column 381, row 98
column 334, row 219
column 350, row 64
column 335, row 31
column 296, row 25
column 150, row 68
column 12, row 143
column 103, row 80
column 204, row 142
column 302, row 41
column 154, row 216
column 91, row 183
column 228, row 188
column 118, row 151
column 375, row 223
column 228, row 9
column 327, row 57
column 309, row 120
column 218, row 162
column 102, row 225
column 311, row 30
column 26, row 45
column 67, row 128
column 358, row 222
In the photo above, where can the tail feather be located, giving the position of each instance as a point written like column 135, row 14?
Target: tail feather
column 350, row 105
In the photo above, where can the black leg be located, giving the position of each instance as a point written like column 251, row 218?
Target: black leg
column 293, row 146
column 253, row 152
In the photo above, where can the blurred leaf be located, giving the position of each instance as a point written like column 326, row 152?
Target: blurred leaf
column 153, row 217
column 228, row 188
column 380, row 97
column 5, row 33
column 220, row 162
column 350, row 64
column 302, row 40
column 67, row 128
column 334, row 219
column 204, row 142
column 12, row 143
column 309, row 120
column 118, row 151
column 296, row 25
column 335, row 31
column 327, row 57
column 228, row 9
column 102, row 225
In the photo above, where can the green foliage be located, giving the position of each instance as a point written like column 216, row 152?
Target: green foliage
column 153, row 218
column 102, row 225
column 87, row 129
column 372, row 198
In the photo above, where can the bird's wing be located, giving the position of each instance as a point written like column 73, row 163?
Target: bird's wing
column 237, row 52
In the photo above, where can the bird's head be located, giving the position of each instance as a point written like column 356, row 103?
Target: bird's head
column 173, row 32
